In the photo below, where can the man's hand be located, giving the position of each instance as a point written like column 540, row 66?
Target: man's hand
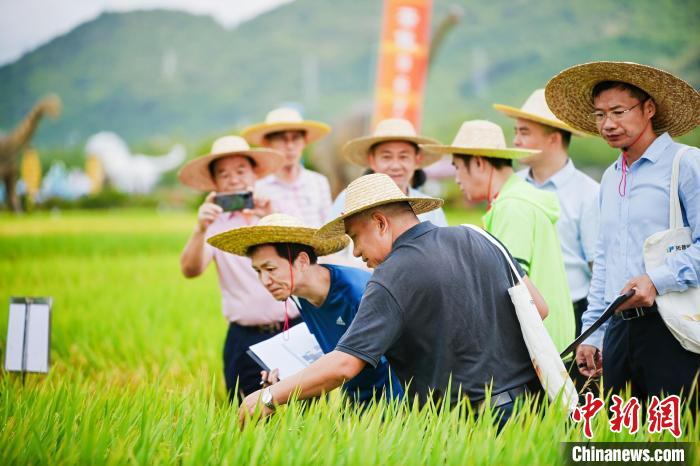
column 262, row 207
column 589, row 360
column 269, row 378
column 208, row 212
column 644, row 296
column 248, row 407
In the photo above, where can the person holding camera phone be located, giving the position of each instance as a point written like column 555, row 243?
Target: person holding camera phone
column 230, row 172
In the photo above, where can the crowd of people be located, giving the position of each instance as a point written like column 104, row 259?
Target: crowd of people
column 422, row 310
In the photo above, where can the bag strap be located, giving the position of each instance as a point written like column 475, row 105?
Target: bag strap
column 675, row 215
column 500, row 248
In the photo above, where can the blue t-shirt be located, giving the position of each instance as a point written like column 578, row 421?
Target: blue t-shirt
column 329, row 322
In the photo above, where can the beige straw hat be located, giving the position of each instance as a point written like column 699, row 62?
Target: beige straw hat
column 285, row 119
column 392, row 129
column 481, row 138
column 277, row 228
column 195, row 173
column 535, row 109
column 570, row 95
column 370, row 191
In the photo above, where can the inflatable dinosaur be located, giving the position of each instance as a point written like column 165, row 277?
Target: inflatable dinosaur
column 13, row 144
column 127, row 172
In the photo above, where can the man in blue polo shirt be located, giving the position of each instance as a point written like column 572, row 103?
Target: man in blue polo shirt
column 284, row 253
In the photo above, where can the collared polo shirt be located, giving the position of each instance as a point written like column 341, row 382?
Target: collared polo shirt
column 307, row 198
column 577, row 224
column 439, row 310
column 627, row 221
column 329, row 321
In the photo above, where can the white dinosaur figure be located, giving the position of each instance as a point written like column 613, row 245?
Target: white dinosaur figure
column 127, row 172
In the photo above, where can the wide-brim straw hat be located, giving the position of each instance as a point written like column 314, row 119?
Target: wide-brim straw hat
column 369, row 191
column 570, row 95
column 277, row 228
column 356, row 150
column 535, row 109
column 285, row 119
column 196, row 174
column 481, row 138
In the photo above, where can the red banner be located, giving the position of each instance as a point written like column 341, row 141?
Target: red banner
column 403, row 60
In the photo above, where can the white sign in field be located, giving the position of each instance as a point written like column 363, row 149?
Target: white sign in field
column 28, row 335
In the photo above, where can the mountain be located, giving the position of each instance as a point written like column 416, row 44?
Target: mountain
column 145, row 74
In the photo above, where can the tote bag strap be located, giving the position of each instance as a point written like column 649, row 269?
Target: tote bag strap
column 675, row 216
column 500, row 248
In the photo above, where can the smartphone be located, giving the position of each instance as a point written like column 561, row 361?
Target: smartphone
column 234, row 201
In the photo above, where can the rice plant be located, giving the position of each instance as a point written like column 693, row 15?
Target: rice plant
column 136, row 371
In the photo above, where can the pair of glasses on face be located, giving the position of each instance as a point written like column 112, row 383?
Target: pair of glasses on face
column 285, row 137
column 615, row 115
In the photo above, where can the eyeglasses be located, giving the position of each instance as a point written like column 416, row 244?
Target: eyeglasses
column 615, row 115
column 284, row 136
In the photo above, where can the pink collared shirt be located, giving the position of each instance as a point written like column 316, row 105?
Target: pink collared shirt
column 243, row 298
column 307, row 198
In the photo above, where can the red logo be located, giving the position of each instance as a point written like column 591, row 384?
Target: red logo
column 661, row 415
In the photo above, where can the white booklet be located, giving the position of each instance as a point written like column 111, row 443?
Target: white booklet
column 289, row 351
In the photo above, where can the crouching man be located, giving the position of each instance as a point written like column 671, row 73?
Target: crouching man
column 284, row 254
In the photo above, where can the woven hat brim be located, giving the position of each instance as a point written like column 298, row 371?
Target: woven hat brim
column 355, row 151
column 420, row 205
column 195, row 173
column 513, row 154
column 315, row 130
column 569, row 95
column 239, row 240
column 515, row 112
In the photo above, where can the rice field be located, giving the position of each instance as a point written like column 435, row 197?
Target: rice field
column 136, row 369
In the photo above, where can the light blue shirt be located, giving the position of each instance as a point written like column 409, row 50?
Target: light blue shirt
column 626, row 222
column 436, row 217
column 578, row 222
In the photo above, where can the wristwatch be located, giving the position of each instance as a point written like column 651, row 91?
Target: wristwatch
column 267, row 398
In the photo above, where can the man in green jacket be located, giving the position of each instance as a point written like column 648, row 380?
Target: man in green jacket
column 521, row 216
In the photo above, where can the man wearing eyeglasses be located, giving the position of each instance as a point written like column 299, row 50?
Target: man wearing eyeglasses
column 636, row 109
column 293, row 189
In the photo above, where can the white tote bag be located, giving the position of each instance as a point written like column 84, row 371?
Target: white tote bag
column 546, row 360
column 680, row 310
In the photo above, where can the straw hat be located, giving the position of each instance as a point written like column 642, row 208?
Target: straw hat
column 569, row 95
column 195, row 173
column 535, row 109
column 277, row 228
column 370, row 191
column 480, row 138
column 392, row 129
column 285, row 119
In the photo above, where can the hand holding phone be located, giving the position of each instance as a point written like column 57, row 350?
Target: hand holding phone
column 232, row 202
column 207, row 212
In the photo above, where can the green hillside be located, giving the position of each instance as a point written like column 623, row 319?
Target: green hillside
column 150, row 74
